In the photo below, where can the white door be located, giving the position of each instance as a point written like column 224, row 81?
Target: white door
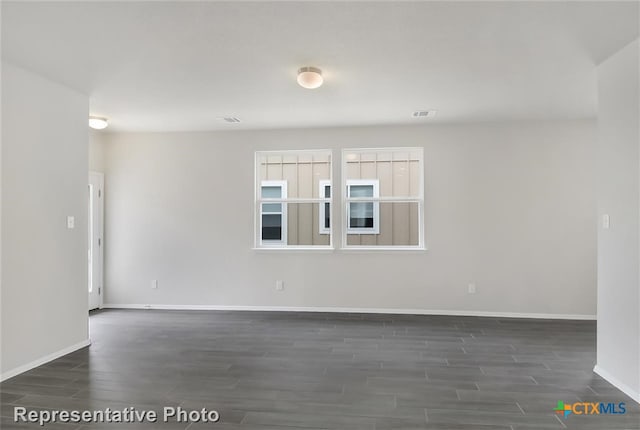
column 96, row 208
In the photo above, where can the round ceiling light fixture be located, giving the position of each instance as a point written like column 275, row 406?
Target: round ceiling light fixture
column 98, row 123
column 310, row 77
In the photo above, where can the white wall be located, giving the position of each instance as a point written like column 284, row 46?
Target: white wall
column 510, row 207
column 618, row 157
column 44, row 179
column 96, row 151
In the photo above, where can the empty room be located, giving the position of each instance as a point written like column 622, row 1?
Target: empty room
column 279, row 215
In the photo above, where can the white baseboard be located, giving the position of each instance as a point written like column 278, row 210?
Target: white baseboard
column 351, row 310
column 635, row 395
column 42, row 360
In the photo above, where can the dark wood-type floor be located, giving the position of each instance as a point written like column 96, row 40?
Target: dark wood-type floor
column 277, row 370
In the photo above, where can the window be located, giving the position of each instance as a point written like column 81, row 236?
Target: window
column 363, row 213
column 381, row 206
column 273, row 216
column 325, row 208
column 293, row 200
column 383, row 198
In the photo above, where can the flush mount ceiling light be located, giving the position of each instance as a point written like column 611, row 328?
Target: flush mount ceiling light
column 310, row 77
column 98, row 123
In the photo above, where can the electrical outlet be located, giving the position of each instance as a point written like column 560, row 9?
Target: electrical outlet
column 71, row 222
column 472, row 288
column 154, row 284
column 279, row 285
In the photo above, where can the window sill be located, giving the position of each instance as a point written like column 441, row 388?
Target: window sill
column 295, row 249
column 350, row 250
column 384, row 249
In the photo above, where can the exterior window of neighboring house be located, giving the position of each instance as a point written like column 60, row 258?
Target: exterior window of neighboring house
column 363, row 213
column 383, row 198
column 293, row 200
column 324, row 214
column 273, row 213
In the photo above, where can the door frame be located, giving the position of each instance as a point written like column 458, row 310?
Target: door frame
column 98, row 275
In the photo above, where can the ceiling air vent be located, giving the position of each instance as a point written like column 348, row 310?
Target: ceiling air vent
column 230, row 119
column 424, row 114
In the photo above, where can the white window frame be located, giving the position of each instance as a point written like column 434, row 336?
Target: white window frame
column 419, row 200
column 322, row 185
column 283, row 212
column 375, row 183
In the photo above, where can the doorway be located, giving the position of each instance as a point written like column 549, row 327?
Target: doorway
column 95, row 245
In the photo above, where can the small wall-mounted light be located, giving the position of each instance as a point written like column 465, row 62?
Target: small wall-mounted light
column 98, row 123
column 310, row 77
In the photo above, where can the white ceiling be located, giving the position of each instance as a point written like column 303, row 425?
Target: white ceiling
column 181, row 65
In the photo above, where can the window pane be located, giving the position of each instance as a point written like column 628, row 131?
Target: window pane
column 361, row 190
column 271, row 227
column 271, row 192
column 399, row 226
column 327, row 215
column 301, row 170
column 324, row 216
column 361, row 215
column 272, row 207
column 398, row 170
column 303, row 225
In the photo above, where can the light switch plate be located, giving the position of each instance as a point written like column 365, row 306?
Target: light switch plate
column 606, row 222
column 71, row 222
